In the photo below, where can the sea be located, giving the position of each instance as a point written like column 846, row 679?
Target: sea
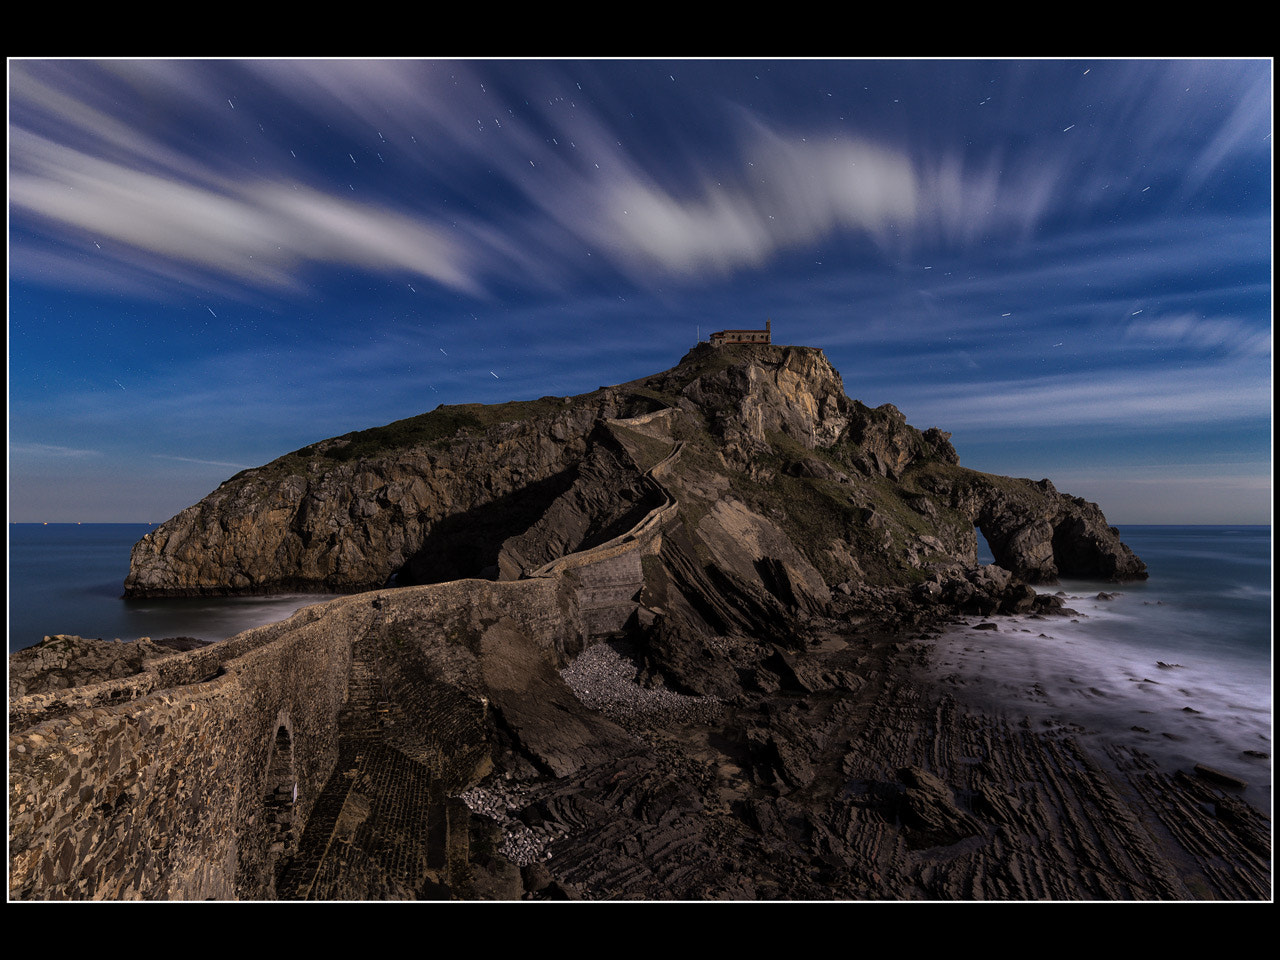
column 69, row 578
column 1178, row 666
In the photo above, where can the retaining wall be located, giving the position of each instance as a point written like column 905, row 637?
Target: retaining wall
column 164, row 791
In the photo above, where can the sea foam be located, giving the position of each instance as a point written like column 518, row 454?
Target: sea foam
column 1116, row 670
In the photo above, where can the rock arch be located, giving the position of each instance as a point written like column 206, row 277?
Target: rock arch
column 280, row 799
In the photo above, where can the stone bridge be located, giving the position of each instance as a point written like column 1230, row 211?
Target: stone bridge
column 198, row 778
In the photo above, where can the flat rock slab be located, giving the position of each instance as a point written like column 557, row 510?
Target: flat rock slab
column 539, row 709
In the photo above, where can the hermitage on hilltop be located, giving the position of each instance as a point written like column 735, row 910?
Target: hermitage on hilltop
column 722, row 337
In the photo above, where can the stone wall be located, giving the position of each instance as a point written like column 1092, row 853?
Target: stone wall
column 427, row 645
column 128, row 801
column 164, row 796
column 168, row 785
column 182, row 782
column 607, row 579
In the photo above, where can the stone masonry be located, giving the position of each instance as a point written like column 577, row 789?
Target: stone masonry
column 197, row 778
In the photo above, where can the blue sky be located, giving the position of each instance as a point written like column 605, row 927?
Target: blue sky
column 1064, row 263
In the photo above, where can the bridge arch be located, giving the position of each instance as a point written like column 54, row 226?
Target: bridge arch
column 280, row 798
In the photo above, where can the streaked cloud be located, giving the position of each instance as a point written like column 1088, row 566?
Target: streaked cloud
column 1192, row 492
column 790, row 194
column 203, row 463
column 267, row 252
column 46, row 450
column 1133, row 398
column 1201, row 333
column 257, row 233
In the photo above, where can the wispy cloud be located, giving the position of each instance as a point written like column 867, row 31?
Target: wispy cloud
column 1200, row 333
column 1172, row 492
column 990, row 245
column 563, row 180
column 1138, row 399
column 257, row 233
column 46, row 450
column 205, row 463
column 782, row 192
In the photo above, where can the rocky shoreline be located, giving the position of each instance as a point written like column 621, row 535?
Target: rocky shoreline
column 837, row 767
column 855, row 776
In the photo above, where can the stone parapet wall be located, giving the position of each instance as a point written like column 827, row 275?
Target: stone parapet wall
column 131, row 801
column 162, row 793
column 427, row 643
column 179, row 669
column 608, row 578
column 36, row 707
column 160, row 796
column 608, row 592
column 156, row 786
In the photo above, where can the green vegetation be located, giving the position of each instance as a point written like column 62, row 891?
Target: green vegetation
column 660, row 397
column 651, row 567
column 442, row 423
column 811, row 513
column 447, row 422
column 705, row 359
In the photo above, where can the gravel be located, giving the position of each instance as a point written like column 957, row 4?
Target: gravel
column 604, row 678
column 521, row 844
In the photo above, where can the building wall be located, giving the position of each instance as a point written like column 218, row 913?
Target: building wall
column 740, row 336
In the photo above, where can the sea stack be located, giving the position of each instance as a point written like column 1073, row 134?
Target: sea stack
column 462, row 491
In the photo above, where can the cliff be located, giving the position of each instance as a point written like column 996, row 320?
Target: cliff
column 786, row 491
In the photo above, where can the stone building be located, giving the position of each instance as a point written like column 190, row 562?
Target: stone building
column 722, row 337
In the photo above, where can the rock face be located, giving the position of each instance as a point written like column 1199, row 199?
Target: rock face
column 786, row 489
column 350, row 513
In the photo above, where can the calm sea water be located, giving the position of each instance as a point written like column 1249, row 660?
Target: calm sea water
column 1205, row 611
column 69, row 577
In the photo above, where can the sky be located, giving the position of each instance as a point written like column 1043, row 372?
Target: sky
column 1064, row 263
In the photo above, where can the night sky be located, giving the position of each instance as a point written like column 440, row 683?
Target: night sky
column 1064, row 263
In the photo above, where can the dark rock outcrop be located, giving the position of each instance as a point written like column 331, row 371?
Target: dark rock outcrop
column 61, row 662
column 1036, row 532
column 927, row 806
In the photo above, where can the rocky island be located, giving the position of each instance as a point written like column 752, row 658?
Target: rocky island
column 663, row 640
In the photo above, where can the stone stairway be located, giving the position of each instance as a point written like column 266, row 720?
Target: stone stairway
column 383, row 827
column 361, row 716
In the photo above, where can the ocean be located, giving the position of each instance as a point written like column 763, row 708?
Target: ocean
column 1205, row 613
column 1177, row 666
column 69, row 578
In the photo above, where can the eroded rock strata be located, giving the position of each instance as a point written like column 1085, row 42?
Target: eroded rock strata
column 685, row 665
column 866, row 497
